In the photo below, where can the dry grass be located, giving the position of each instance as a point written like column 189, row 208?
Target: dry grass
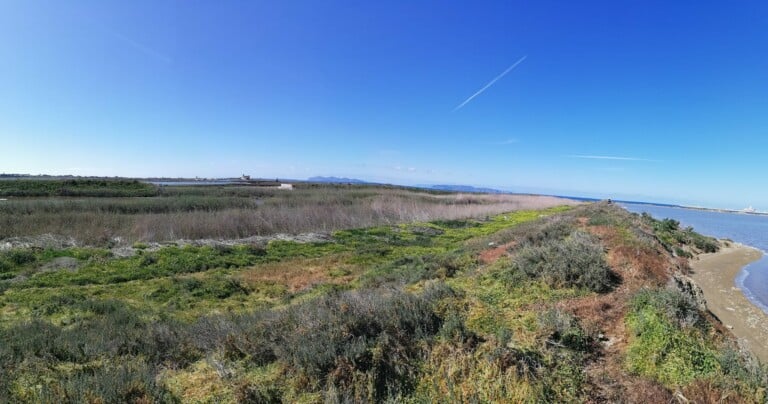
column 309, row 210
column 197, row 383
column 301, row 274
column 637, row 263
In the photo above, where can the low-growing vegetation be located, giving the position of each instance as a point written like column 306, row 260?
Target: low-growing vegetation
column 683, row 242
column 670, row 341
column 577, row 260
column 668, row 338
column 523, row 306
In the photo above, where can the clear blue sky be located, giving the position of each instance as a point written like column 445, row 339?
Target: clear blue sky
column 675, row 92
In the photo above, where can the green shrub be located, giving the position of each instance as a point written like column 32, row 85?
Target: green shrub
column 31, row 339
column 528, row 364
column 455, row 224
column 123, row 381
column 349, row 325
column 549, row 229
column 217, row 287
column 454, row 328
column 563, row 330
column 664, row 343
column 248, row 393
column 677, row 308
column 246, row 336
column 603, row 214
column 111, row 330
column 669, row 225
column 410, row 269
column 363, row 343
column 166, row 261
column 564, row 380
column 21, row 257
column 171, row 344
column 5, row 265
column 577, row 261
column 673, row 238
column 703, row 243
column 59, row 303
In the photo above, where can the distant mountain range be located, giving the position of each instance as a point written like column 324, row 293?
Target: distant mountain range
column 449, row 188
column 465, row 188
column 337, row 180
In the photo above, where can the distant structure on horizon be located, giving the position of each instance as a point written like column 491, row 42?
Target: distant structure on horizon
column 276, row 184
column 750, row 209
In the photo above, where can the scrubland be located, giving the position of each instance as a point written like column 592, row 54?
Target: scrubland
column 555, row 304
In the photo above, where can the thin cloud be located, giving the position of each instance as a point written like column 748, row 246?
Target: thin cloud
column 506, row 142
column 490, row 83
column 622, row 158
column 142, row 48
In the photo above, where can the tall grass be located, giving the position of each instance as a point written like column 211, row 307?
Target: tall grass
column 224, row 212
column 137, row 205
column 79, row 187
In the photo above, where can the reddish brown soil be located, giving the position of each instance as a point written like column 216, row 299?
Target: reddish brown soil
column 491, row 255
column 603, row 315
column 638, row 265
column 296, row 275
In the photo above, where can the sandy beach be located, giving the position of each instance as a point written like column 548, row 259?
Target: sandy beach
column 715, row 274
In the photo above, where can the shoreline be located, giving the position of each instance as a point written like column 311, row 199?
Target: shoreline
column 715, row 274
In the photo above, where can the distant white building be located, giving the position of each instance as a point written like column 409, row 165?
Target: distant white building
column 750, row 209
column 245, row 177
column 288, row 187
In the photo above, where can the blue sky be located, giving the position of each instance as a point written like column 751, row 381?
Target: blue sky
column 661, row 101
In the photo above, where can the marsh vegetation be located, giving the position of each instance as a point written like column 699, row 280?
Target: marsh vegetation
column 99, row 215
column 562, row 304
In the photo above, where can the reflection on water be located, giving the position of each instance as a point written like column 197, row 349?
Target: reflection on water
column 747, row 229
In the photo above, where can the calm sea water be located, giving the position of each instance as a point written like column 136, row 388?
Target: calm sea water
column 751, row 230
column 185, row 183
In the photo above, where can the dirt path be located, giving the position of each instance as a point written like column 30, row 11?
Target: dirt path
column 490, row 256
column 715, row 274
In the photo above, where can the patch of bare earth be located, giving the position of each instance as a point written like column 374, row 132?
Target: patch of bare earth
column 491, row 255
column 300, row 274
column 603, row 315
column 638, row 265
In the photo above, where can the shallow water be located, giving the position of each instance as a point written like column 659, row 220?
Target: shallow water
column 185, row 183
column 747, row 229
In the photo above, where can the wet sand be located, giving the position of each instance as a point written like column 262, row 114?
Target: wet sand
column 715, row 273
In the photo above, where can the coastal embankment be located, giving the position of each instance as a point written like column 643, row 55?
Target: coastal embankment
column 715, row 274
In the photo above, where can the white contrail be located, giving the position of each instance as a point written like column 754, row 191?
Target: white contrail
column 490, row 83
